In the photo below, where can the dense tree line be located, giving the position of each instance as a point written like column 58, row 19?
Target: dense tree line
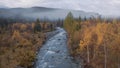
column 19, row 42
column 95, row 40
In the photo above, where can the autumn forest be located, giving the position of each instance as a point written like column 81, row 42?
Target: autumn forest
column 40, row 37
column 95, row 40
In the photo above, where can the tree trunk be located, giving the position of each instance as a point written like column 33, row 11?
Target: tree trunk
column 118, row 63
column 88, row 59
column 105, row 56
column 94, row 54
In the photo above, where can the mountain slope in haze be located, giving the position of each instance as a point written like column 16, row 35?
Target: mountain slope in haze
column 2, row 6
column 42, row 12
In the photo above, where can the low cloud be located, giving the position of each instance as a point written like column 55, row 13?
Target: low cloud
column 104, row 7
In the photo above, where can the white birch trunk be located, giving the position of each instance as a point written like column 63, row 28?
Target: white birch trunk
column 88, row 54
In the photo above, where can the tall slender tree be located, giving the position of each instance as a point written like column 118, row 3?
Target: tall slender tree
column 68, row 23
column 37, row 27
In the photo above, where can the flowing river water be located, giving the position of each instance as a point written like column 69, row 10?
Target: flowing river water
column 54, row 53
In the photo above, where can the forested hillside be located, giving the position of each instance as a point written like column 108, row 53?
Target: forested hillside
column 19, row 42
column 95, row 40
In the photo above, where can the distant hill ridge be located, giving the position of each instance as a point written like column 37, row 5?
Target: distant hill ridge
column 42, row 12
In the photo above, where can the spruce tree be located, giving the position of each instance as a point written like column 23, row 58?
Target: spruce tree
column 68, row 21
column 37, row 27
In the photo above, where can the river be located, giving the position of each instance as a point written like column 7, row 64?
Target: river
column 54, row 53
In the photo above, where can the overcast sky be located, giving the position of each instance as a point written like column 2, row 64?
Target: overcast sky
column 105, row 7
